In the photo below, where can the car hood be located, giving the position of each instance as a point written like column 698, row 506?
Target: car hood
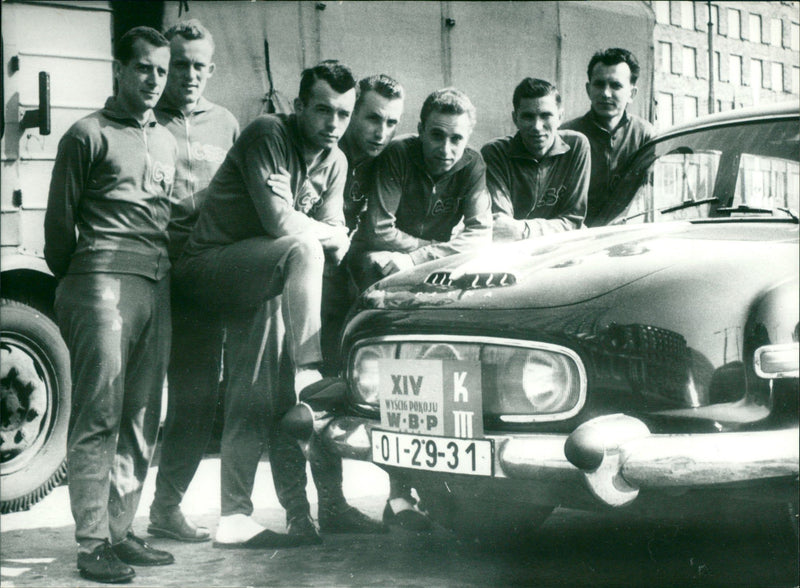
column 570, row 268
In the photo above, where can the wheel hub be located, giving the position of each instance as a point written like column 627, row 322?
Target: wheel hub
column 23, row 402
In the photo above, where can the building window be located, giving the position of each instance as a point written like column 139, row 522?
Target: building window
column 687, row 15
column 777, row 76
column 735, row 69
column 734, row 23
column 795, row 37
column 715, row 17
column 661, row 8
column 689, row 62
column 756, row 73
column 719, row 106
column 664, row 116
column 755, row 28
column 690, row 108
column 665, row 51
column 776, row 32
column 718, row 65
column 795, row 80
column 765, row 76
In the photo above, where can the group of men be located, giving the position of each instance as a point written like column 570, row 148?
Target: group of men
column 183, row 246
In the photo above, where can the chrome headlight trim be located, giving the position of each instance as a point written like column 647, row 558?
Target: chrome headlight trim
column 486, row 340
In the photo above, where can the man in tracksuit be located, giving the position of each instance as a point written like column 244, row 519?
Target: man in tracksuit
column 614, row 134
column 539, row 177
column 377, row 113
column 205, row 132
column 425, row 186
column 106, row 242
column 250, row 245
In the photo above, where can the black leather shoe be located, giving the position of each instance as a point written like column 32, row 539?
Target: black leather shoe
column 136, row 552
column 302, row 528
column 174, row 525
column 410, row 519
column 349, row 520
column 103, row 565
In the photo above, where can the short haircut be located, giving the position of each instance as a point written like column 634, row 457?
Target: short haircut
column 382, row 85
column 191, row 30
column 336, row 74
column 124, row 48
column 448, row 101
column 534, row 88
column 614, row 56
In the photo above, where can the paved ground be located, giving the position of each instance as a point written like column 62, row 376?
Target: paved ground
column 572, row 549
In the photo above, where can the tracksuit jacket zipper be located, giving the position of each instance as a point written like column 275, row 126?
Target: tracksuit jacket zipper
column 190, row 179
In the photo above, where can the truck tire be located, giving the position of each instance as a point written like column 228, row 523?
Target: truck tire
column 483, row 517
column 35, row 388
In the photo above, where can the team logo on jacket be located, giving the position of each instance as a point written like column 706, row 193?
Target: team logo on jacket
column 308, row 198
column 162, row 176
column 444, row 206
column 356, row 193
column 203, row 152
column 551, row 196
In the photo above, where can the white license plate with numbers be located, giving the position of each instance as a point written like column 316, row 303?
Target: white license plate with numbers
column 435, row 454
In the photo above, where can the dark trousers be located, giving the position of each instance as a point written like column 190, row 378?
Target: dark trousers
column 252, row 420
column 364, row 269
column 240, row 277
column 269, row 291
column 338, row 295
column 192, row 399
column 117, row 328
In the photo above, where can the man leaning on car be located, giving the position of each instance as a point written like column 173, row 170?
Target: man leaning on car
column 424, row 187
column 269, row 244
column 539, row 177
column 614, row 134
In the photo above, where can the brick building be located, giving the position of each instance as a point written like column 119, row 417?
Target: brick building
column 756, row 56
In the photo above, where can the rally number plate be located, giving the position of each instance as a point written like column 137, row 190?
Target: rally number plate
column 435, row 454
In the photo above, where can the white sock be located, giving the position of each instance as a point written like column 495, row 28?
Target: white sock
column 400, row 504
column 237, row 528
column 305, row 377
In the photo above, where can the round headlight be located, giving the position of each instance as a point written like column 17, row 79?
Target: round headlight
column 530, row 383
column 546, row 381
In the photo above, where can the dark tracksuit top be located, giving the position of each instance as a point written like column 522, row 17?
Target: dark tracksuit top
column 359, row 179
column 240, row 204
column 410, row 212
column 117, row 199
column 549, row 193
column 204, row 138
column 611, row 153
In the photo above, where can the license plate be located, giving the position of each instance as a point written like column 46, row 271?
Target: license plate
column 435, row 454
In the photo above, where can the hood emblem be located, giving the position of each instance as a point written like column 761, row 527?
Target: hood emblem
column 471, row 281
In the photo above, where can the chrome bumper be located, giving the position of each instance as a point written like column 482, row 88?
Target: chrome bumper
column 616, row 456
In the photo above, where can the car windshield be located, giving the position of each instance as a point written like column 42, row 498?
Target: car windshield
column 742, row 169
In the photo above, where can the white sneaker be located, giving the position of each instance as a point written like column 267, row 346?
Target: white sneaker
column 400, row 504
column 237, row 528
column 304, row 378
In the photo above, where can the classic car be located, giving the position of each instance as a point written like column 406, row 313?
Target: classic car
column 650, row 364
